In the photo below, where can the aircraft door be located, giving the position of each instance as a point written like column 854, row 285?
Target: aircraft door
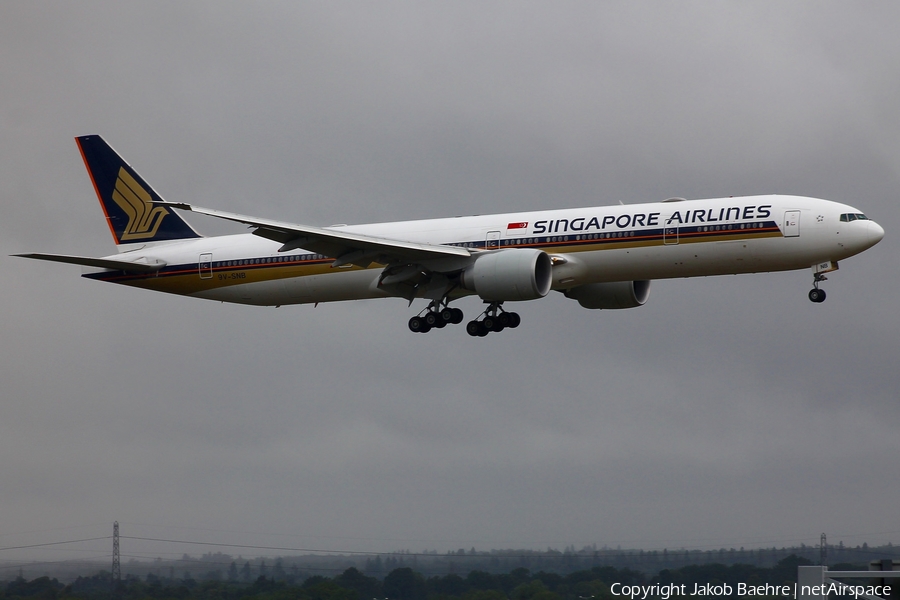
column 792, row 223
column 205, row 264
column 670, row 231
column 493, row 240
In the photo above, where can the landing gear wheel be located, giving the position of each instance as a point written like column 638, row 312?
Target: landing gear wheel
column 436, row 316
column 816, row 295
column 433, row 319
column 494, row 319
column 418, row 325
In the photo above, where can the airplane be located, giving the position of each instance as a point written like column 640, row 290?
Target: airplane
column 602, row 257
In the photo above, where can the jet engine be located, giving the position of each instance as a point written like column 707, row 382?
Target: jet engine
column 616, row 294
column 512, row 274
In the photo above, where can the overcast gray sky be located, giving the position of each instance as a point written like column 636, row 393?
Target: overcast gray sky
column 727, row 411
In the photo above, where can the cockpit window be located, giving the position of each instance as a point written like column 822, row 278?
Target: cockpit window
column 847, row 217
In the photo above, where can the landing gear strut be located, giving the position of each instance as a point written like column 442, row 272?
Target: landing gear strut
column 495, row 319
column 816, row 295
column 435, row 316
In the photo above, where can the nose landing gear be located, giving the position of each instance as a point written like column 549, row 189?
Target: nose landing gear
column 495, row 319
column 816, row 295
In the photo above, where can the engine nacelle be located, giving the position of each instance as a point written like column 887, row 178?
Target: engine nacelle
column 512, row 274
column 616, row 294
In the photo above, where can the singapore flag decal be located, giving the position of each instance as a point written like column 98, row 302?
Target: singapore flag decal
column 519, row 225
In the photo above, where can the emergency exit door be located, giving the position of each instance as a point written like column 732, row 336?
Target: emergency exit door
column 670, row 231
column 205, row 265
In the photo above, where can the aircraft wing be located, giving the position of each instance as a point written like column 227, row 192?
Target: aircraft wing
column 103, row 263
column 346, row 247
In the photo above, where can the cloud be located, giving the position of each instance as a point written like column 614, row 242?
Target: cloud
column 722, row 412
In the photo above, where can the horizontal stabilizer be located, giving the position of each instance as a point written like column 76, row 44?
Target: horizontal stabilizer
column 102, row 263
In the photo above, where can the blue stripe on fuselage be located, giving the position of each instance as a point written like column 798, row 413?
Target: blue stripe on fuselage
column 647, row 237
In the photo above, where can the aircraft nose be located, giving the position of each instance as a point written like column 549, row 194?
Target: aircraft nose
column 876, row 232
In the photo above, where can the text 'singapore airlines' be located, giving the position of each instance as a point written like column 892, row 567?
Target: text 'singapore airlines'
column 602, row 257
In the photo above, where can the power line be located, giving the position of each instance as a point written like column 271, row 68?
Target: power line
column 105, row 537
column 319, row 551
column 281, row 548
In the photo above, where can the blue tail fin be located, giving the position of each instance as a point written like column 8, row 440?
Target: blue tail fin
column 130, row 205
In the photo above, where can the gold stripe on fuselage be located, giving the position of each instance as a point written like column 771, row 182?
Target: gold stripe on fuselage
column 188, row 281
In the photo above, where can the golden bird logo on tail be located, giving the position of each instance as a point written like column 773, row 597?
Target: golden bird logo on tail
column 143, row 218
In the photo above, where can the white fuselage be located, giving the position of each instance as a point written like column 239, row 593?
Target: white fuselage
column 589, row 245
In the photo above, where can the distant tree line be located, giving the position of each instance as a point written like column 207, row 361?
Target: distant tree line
column 401, row 583
column 648, row 561
column 296, row 569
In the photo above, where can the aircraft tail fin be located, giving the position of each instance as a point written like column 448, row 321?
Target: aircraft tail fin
column 134, row 211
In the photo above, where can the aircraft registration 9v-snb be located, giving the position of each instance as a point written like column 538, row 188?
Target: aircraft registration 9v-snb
column 603, row 257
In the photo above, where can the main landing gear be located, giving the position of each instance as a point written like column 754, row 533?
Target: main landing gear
column 495, row 319
column 437, row 315
column 816, row 295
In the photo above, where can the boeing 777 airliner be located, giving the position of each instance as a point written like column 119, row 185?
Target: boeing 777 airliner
column 602, row 257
